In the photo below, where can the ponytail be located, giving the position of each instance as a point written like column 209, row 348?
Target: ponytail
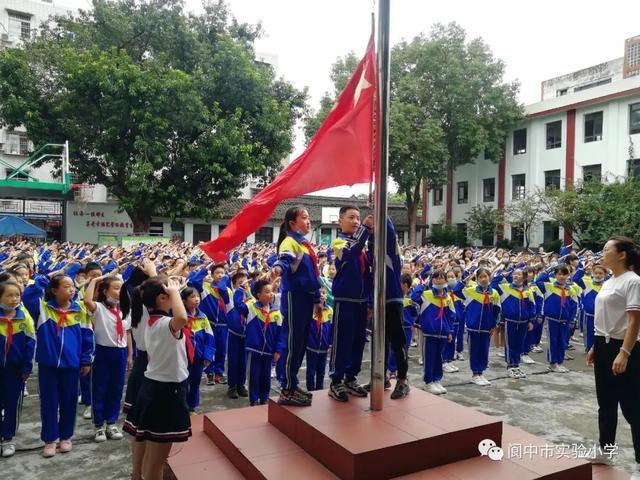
column 290, row 216
column 127, row 292
column 628, row 246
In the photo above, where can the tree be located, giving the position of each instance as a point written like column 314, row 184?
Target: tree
column 525, row 214
column 482, row 223
column 170, row 112
column 594, row 211
column 449, row 105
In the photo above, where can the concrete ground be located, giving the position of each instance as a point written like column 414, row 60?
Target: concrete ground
column 559, row 407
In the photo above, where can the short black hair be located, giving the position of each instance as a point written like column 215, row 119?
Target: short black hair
column 257, row 287
column 406, row 280
column 92, row 266
column 561, row 269
column 345, row 208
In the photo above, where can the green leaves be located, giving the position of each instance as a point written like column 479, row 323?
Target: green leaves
column 171, row 112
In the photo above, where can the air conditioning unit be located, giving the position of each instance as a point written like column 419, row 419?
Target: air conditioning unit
column 5, row 37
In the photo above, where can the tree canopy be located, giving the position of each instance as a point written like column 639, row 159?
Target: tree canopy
column 449, row 105
column 171, row 112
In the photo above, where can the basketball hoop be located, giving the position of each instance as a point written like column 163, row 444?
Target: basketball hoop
column 82, row 193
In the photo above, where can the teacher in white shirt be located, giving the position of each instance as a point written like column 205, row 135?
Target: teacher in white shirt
column 615, row 353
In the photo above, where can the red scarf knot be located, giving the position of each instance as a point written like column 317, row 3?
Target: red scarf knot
column 119, row 326
column 267, row 316
column 9, row 323
column 314, row 258
column 63, row 318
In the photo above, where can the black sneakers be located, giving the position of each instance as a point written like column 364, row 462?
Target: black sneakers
column 232, row 393
column 242, row 391
column 338, row 391
column 291, row 397
column 401, row 390
column 303, row 392
column 355, row 389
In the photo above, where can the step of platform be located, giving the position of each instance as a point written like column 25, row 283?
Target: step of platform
column 419, row 432
column 241, row 443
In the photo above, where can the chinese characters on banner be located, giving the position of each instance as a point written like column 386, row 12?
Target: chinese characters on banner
column 99, row 221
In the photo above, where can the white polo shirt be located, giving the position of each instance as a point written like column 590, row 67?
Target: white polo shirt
column 617, row 296
column 105, row 329
column 138, row 332
column 167, row 354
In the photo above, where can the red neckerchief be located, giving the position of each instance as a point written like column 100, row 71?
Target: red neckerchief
column 62, row 318
column 221, row 306
column 153, row 319
column 188, row 340
column 519, row 290
column 267, row 314
column 453, row 297
column 486, row 299
column 441, row 311
column 363, row 262
column 9, row 324
column 119, row 326
column 314, row 259
column 318, row 318
column 563, row 295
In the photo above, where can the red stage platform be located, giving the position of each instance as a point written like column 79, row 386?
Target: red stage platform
column 420, row 437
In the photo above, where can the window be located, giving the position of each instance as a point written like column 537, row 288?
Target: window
column 593, row 127
column 561, row 93
column 156, row 229
column 517, row 236
column 592, row 173
column 20, row 175
column 19, row 25
column 552, row 179
column 518, row 188
column 551, row 232
column 520, row 141
column 265, row 234
column 591, row 85
column 17, row 144
column 634, row 118
column 634, row 168
column 463, row 192
column 488, row 190
column 437, row 196
column 554, row 135
column 201, row 233
column 461, row 228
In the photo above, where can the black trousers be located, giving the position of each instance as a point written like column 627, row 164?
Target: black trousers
column 394, row 335
column 611, row 390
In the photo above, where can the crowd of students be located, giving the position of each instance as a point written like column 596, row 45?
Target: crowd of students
column 170, row 317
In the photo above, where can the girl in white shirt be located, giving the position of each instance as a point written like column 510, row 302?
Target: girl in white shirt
column 615, row 353
column 112, row 355
column 160, row 415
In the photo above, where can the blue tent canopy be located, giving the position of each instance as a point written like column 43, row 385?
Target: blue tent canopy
column 11, row 226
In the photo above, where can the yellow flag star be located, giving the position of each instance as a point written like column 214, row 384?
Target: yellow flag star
column 362, row 85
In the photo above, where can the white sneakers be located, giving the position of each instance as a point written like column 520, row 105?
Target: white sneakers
column 459, row 356
column 100, row 436
column 527, row 359
column 449, row 367
column 500, row 353
column 555, row 368
column 515, row 372
column 435, row 388
column 87, row 413
column 8, row 450
column 480, row 380
column 112, row 432
column 537, row 349
column 602, row 459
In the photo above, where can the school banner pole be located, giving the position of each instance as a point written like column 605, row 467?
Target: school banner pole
column 380, row 210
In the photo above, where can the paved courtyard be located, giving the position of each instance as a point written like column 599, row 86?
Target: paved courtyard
column 559, row 407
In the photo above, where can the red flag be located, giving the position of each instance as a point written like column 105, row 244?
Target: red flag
column 340, row 153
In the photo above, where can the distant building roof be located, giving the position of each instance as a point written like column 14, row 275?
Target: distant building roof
column 314, row 204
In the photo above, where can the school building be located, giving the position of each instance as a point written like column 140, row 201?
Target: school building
column 586, row 124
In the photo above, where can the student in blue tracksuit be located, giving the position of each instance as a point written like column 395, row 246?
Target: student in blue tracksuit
column 560, row 304
column 300, row 296
column 318, row 344
column 534, row 336
column 409, row 317
column 591, row 286
column 482, row 307
column 519, row 310
column 64, row 348
column 17, row 344
column 351, row 292
column 216, row 304
column 449, row 353
column 236, row 351
column 435, row 317
column 201, row 338
column 263, row 341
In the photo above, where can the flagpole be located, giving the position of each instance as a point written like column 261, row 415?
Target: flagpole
column 380, row 230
